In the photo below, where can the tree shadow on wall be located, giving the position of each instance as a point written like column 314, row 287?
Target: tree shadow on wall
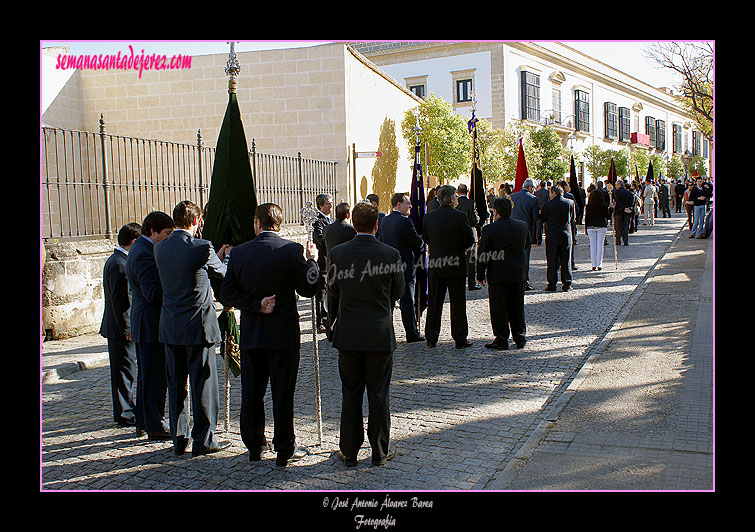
column 384, row 170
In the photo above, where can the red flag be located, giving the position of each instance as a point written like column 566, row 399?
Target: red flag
column 611, row 174
column 521, row 169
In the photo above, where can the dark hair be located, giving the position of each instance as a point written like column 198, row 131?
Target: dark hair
column 502, row 206
column 446, row 194
column 129, row 233
column 270, row 216
column 342, row 211
column 461, row 189
column 397, row 198
column 321, row 199
column 373, row 197
column 364, row 216
column 185, row 212
column 155, row 222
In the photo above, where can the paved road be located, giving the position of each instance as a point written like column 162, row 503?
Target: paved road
column 613, row 391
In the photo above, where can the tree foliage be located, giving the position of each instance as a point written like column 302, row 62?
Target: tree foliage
column 693, row 61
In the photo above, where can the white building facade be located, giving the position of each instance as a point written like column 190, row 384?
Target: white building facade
column 546, row 83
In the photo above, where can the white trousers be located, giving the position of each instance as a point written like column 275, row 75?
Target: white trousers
column 597, row 235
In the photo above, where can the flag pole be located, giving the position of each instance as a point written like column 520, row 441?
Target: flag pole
column 308, row 216
column 418, row 173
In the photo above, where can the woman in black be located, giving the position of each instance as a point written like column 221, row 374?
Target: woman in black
column 596, row 222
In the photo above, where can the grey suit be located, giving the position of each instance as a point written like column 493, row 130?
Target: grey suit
column 526, row 209
column 189, row 329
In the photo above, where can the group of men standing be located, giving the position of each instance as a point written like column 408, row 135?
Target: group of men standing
column 160, row 310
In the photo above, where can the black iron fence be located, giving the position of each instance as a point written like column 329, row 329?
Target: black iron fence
column 93, row 183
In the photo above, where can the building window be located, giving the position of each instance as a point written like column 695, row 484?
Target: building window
column 705, row 147
column 624, row 132
column 660, row 134
column 556, row 95
column 611, row 120
column 582, row 110
column 463, row 90
column 418, row 90
column 677, row 142
column 530, row 96
column 696, row 138
column 650, row 129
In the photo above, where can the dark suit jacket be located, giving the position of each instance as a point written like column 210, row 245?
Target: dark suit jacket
column 366, row 298
column 265, row 266
column 116, row 322
column 542, row 196
column 337, row 233
column 623, row 199
column 381, row 217
column 146, row 291
column 449, row 237
column 559, row 217
column 525, row 208
column 318, row 228
column 399, row 233
column 467, row 206
column 502, row 255
column 434, row 204
column 188, row 313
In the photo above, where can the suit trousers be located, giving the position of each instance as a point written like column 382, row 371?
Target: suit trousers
column 409, row 309
column 436, row 297
column 558, row 256
column 360, row 370
column 321, row 313
column 152, row 385
column 198, row 364
column 279, row 368
column 621, row 226
column 506, row 302
column 122, row 355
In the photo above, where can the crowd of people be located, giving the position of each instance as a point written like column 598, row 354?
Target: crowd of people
column 163, row 279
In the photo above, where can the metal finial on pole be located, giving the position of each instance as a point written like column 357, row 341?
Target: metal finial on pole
column 232, row 68
column 308, row 217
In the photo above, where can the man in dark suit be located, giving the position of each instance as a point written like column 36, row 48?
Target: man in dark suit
column 449, row 238
column 503, row 265
column 147, row 302
column 336, row 233
column 264, row 275
column 525, row 208
column 324, row 205
column 567, row 194
column 558, row 216
column 374, row 199
column 368, row 278
column 542, row 196
column 467, row 206
column 189, row 329
column 398, row 231
column 623, row 211
column 679, row 195
column 116, row 327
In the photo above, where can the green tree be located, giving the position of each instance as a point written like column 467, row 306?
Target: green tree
column 550, row 157
column 675, row 168
column 384, row 170
column 446, row 133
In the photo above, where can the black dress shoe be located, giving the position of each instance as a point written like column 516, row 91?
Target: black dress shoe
column 419, row 338
column 381, row 461
column 158, row 436
column 464, row 344
column 255, row 455
column 566, row 288
column 431, row 344
column 209, row 450
column 521, row 343
column 495, row 344
column 550, row 288
column 180, row 446
column 126, row 422
column 349, row 462
column 297, row 453
column 528, row 286
column 475, row 287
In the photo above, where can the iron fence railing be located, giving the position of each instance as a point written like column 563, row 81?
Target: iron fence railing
column 93, row 183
